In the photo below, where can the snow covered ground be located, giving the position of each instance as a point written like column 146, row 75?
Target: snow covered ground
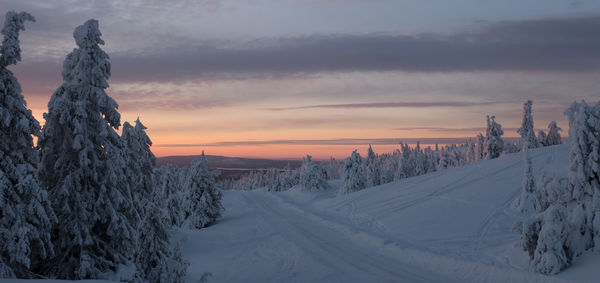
column 449, row 226
column 453, row 225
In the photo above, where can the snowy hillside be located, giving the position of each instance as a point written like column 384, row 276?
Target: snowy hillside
column 452, row 225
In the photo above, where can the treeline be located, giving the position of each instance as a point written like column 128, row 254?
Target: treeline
column 86, row 202
column 357, row 172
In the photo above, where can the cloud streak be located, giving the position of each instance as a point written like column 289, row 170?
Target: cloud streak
column 385, row 105
column 344, row 141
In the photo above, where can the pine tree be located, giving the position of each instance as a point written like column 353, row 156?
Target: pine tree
column 205, row 197
column 287, row 178
column 528, row 203
column 445, row 160
column 353, row 177
column 480, row 147
column 333, row 169
column 83, row 167
column 584, row 174
column 543, row 138
column 388, row 168
column 140, row 163
column 471, row 151
column 313, row 176
column 373, row 170
column 158, row 259
column 26, row 216
column 170, row 186
column 527, row 130
column 494, row 145
column 553, row 137
column 274, row 180
column 550, row 256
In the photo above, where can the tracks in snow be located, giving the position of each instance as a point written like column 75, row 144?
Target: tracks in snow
column 333, row 248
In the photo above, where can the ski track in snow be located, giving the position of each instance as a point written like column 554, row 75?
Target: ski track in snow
column 334, row 248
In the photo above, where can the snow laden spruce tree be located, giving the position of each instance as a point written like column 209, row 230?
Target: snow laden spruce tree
column 527, row 203
column 372, row 168
column 82, row 168
column 158, row 259
column 553, row 137
column 313, row 176
column 527, row 131
column 26, row 217
column 140, row 163
column 204, row 197
column 353, row 176
column 584, row 175
column 171, row 185
column 494, row 145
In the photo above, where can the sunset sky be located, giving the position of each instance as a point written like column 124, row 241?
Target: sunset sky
column 285, row 78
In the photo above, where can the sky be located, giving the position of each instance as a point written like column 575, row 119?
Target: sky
column 286, row 78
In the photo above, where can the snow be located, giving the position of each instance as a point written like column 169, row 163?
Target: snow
column 451, row 225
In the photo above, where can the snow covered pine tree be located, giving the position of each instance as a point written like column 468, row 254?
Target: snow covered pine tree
column 527, row 131
column 204, row 197
column 494, row 144
column 373, row 169
column 82, row 168
column 26, row 216
column 584, row 175
column 353, row 177
column 553, row 137
column 527, row 202
column 140, row 163
column 313, row 176
column 158, row 259
column 169, row 183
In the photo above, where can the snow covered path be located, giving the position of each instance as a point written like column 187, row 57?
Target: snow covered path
column 263, row 239
column 332, row 248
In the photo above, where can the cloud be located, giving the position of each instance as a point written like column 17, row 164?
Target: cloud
column 386, row 105
column 442, row 129
column 550, row 44
column 564, row 44
column 344, row 141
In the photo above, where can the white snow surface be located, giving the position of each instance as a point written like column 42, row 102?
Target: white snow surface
column 448, row 226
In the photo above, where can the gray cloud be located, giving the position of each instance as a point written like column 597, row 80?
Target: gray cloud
column 565, row 44
column 552, row 44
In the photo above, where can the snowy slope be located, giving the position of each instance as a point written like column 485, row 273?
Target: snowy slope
column 453, row 225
